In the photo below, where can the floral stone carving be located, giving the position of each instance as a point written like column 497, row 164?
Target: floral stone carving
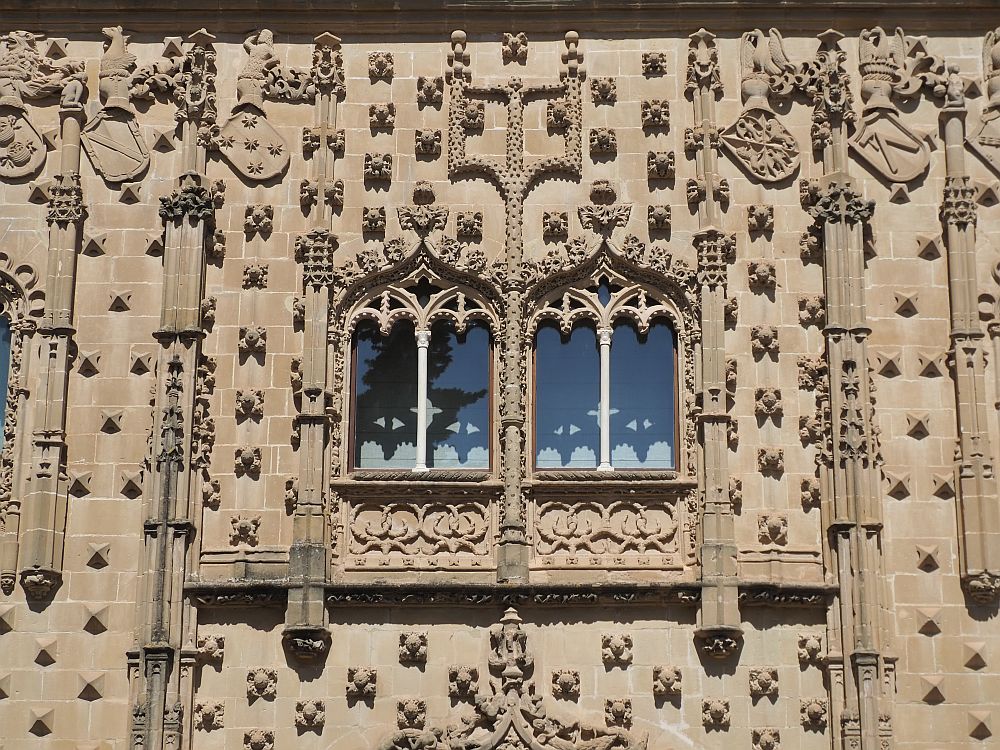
column 566, row 683
column 618, row 712
column 209, row 715
column 463, row 682
column 258, row 739
column 765, row 738
column 412, row 648
column 244, row 530
column 310, row 714
column 361, row 683
column 261, row 683
column 715, row 713
column 655, row 113
column 616, row 648
column 411, row 713
column 763, row 682
column 666, row 681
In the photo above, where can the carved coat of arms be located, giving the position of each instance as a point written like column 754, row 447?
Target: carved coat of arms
column 757, row 141
column 985, row 142
column 111, row 138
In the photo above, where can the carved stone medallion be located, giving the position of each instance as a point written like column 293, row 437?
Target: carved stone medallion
column 985, row 142
column 114, row 145
column 760, row 144
column 251, row 145
column 22, row 150
column 889, row 147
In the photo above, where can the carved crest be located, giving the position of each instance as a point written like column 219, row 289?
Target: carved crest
column 985, row 141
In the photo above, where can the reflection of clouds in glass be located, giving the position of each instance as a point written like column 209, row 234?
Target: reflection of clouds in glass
column 371, row 454
column 583, row 457
column 659, row 455
column 446, row 457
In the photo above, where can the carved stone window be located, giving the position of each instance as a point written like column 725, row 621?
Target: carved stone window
column 421, row 380
column 605, row 378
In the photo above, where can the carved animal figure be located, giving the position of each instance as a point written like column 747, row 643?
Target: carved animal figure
column 24, row 72
column 117, row 64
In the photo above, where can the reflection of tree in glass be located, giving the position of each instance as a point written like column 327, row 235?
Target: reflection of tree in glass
column 387, row 369
column 387, row 388
column 446, row 403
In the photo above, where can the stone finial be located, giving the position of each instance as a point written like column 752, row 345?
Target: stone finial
column 566, row 684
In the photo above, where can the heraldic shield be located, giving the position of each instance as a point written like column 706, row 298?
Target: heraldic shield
column 762, row 145
column 986, row 140
column 114, row 145
column 251, row 145
column 889, row 147
column 22, row 150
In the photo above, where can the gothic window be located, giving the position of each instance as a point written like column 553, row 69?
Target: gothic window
column 605, row 393
column 421, row 382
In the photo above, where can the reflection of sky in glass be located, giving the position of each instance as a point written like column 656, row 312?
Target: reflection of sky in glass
column 458, row 398
column 4, row 369
column 386, row 386
column 567, row 391
column 642, row 397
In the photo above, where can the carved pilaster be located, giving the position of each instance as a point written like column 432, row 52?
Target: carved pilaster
column 305, row 633
column 172, row 485
column 516, row 175
column 849, row 475
column 43, row 517
column 977, row 502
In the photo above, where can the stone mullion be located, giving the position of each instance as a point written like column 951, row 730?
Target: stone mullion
column 855, row 520
column 978, row 507
column 44, row 513
column 719, row 619
column 305, row 633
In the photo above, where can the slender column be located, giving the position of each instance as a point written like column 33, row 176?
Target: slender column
column 423, row 341
column 978, row 507
column 159, row 689
column 719, row 631
column 44, row 514
column 305, row 634
column 856, row 659
column 604, row 339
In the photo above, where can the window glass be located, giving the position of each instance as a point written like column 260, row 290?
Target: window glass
column 642, row 397
column 385, row 384
column 4, row 370
column 458, row 407
column 567, row 391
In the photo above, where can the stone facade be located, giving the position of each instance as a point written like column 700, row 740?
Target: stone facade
column 194, row 218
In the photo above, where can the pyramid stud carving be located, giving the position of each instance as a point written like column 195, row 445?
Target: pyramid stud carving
column 898, row 485
column 899, row 193
column 163, row 139
column 131, row 193
column 38, row 191
column 142, row 362
column 89, row 363
column 79, row 482
column 4, row 686
column 917, row 425
column 944, row 486
column 111, row 420
column 91, row 686
column 95, row 618
column 42, row 721
column 98, row 555
column 154, row 244
column 51, row 137
column 130, row 483
column 927, row 557
column 95, row 245
column 47, row 649
column 905, row 304
column 931, row 689
column 120, row 300
column 931, row 364
column 929, row 246
column 974, row 654
column 987, row 193
column 887, row 363
column 8, row 614
column 928, row 620
column 173, row 46
column 979, row 725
